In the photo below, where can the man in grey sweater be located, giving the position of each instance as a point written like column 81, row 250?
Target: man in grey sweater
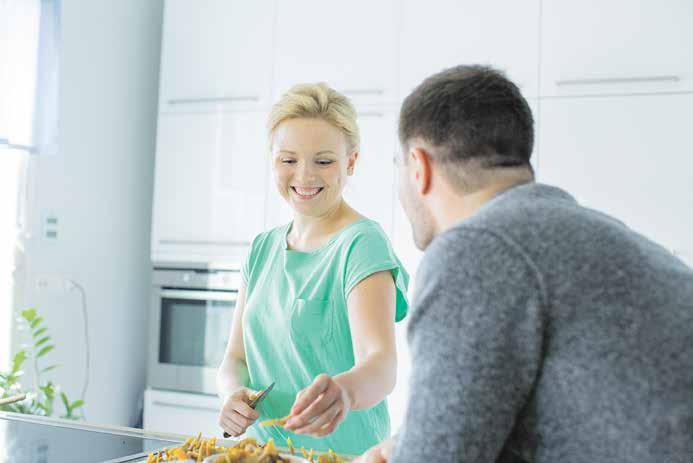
column 541, row 331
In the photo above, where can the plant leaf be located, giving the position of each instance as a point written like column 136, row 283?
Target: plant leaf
column 42, row 341
column 66, row 402
column 29, row 314
column 48, row 368
column 76, row 404
column 39, row 332
column 35, row 322
column 45, row 350
column 18, row 360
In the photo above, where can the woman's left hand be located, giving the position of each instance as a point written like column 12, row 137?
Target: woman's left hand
column 319, row 408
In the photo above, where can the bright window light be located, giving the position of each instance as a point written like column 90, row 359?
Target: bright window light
column 19, row 39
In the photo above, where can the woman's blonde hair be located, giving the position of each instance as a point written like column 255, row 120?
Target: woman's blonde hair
column 317, row 101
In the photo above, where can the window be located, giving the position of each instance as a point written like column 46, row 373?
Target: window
column 28, row 124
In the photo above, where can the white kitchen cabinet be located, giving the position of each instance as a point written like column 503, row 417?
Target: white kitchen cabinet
column 210, row 185
column 371, row 189
column 443, row 33
column 616, row 47
column 630, row 157
column 216, row 53
column 181, row 413
column 350, row 46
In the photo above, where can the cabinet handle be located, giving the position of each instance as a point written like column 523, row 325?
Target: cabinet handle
column 370, row 114
column 221, row 99
column 187, row 407
column 206, row 243
column 617, row 80
column 363, row 91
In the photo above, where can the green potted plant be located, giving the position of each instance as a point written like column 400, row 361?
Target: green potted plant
column 41, row 397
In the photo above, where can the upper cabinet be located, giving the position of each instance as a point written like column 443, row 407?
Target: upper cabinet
column 627, row 156
column 443, row 33
column 210, row 185
column 216, row 54
column 350, row 46
column 616, row 47
column 370, row 190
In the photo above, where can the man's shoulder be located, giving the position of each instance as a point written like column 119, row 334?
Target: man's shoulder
column 469, row 248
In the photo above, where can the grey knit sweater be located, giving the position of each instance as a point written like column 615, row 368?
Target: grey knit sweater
column 542, row 331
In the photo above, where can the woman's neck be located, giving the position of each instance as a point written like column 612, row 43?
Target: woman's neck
column 310, row 232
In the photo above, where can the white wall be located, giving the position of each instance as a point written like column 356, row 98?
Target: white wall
column 100, row 188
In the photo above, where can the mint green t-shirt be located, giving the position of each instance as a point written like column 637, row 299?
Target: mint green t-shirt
column 296, row 325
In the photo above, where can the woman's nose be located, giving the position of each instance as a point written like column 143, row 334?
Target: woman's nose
column 304, row 171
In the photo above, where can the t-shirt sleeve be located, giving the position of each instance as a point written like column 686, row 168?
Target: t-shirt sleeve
column 475, row 335
column 250, row 259
column 370, row 252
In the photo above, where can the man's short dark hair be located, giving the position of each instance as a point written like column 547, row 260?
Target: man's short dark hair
column 470, row 113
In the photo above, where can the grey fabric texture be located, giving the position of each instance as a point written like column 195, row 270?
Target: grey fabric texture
column 543, row 331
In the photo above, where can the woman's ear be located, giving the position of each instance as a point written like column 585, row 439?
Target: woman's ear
column 351, row 162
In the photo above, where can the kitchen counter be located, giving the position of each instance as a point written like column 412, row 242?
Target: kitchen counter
column 33, row 439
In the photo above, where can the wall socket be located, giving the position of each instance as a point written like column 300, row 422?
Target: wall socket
column 52, row 283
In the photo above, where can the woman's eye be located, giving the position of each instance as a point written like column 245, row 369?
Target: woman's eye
column 288, row 161
column 325, row 162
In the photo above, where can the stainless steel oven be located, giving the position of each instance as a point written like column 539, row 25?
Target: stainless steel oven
column 189, row 325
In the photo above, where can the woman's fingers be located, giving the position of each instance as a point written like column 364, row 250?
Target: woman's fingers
column 317, row 408
column 240, row 420
column 230, row 427
column 325, row 424
column 309, row 394
column 244, row 409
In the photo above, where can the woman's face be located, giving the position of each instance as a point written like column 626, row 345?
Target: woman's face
column 311, row 162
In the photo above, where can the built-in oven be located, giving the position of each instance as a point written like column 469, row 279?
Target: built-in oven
column 189, row 326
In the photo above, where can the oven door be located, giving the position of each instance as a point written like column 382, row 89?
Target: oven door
column 189, row 329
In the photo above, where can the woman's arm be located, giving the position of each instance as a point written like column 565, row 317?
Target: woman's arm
column 232, row 377
column 233, row 371
column 324, row 404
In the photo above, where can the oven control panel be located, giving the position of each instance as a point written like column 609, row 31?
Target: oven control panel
column 228, row 280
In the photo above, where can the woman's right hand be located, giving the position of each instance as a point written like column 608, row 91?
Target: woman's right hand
column 236, row 415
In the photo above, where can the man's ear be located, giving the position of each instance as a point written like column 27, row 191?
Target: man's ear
column 351, row 162
column 420, row 169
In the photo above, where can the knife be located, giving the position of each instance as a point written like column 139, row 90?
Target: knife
column 256, row 401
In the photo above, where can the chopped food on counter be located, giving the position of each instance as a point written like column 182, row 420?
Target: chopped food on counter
column 246, row 451
column 194, row 448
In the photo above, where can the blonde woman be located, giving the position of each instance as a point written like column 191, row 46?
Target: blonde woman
column 320, row 295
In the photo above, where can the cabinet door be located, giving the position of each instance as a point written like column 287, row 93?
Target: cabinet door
column 630, row 157
column 216, row 53
column 443, row 33
column 616, row 47
column 210, row 185
column 370, row 189
column 181, row 413
column 351, row 47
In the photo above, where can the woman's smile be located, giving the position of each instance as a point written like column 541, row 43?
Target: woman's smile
column 306, row 193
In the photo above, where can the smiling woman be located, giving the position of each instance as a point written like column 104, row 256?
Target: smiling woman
column 320, row 295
